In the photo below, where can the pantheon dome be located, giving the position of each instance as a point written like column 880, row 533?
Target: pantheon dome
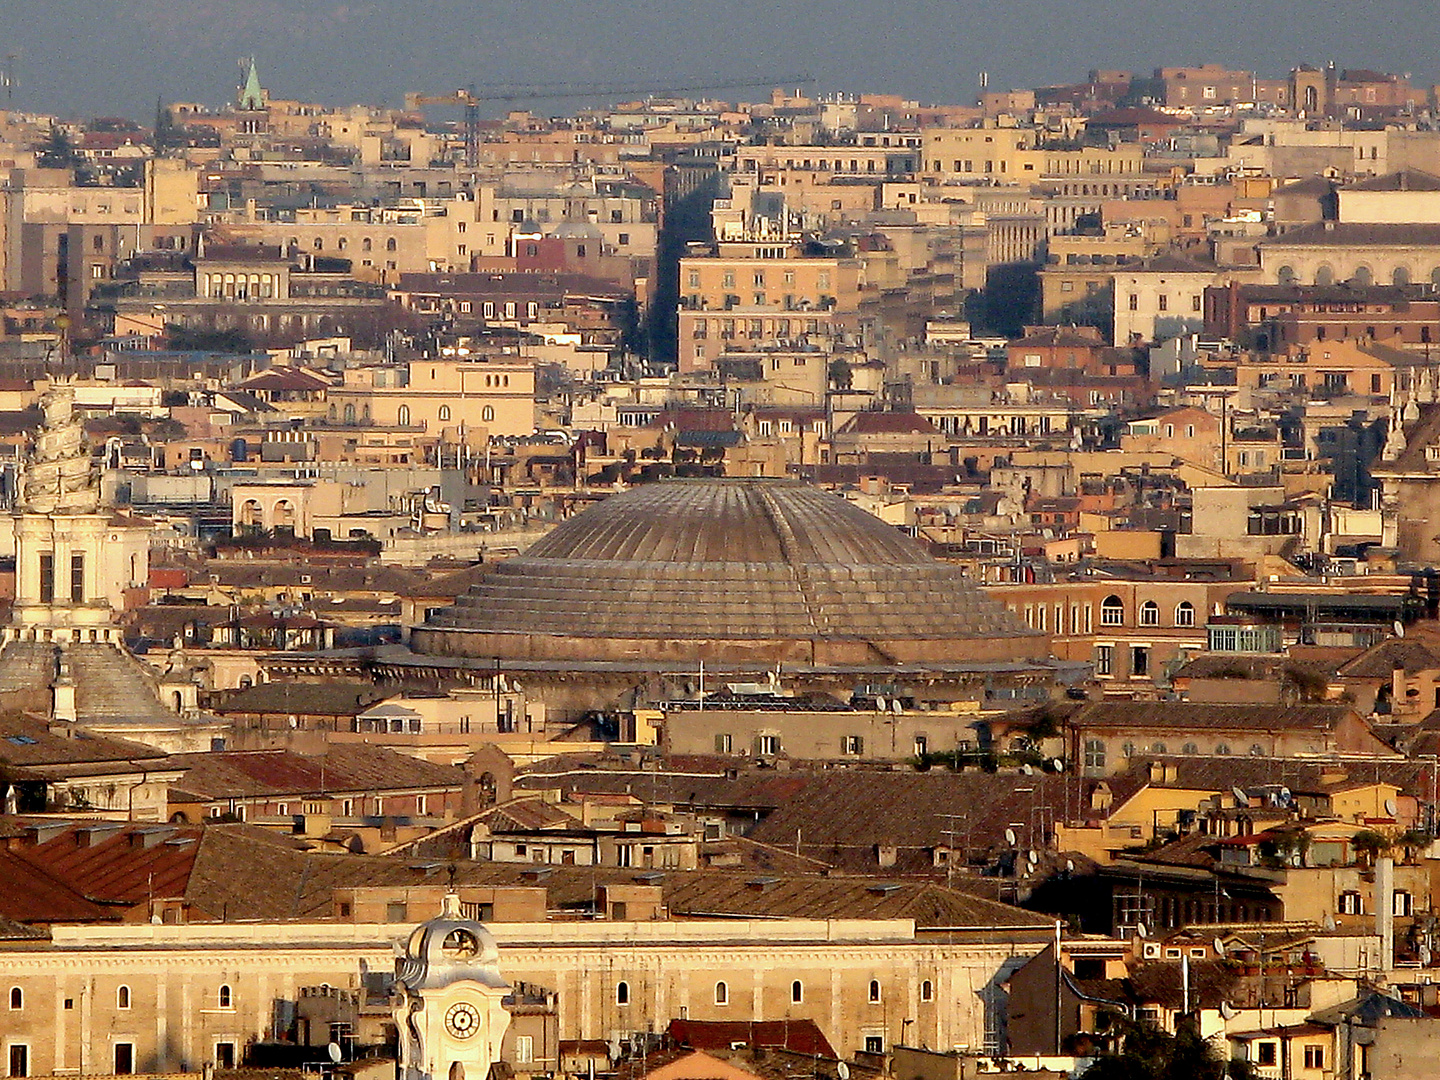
column 727, row 571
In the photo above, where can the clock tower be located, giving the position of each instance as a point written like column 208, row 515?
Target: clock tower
column 448, row 999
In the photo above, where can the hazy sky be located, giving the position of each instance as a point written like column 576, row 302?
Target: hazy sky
column 92, row 57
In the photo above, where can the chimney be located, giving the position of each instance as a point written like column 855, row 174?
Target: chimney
column 1385, row 909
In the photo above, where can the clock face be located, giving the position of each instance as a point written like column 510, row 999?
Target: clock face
column 462, row 1020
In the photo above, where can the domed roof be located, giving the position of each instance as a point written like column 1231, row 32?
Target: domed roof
column 757, row 561
column 450, row 948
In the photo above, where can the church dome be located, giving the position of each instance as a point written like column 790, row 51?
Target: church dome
column 727, row 569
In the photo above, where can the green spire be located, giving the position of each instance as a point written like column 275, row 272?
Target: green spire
column 251, row 96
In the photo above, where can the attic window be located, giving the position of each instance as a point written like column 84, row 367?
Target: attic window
column 20, row 740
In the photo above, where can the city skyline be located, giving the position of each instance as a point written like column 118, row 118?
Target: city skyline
column 374, row 52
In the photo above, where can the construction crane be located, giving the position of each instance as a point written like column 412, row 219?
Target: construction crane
column 471, row 99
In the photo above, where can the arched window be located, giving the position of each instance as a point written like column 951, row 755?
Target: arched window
column 1149, row 613
column 444, row 412
column 1184, row 613
column 403, row 416
column 1256, row 750
column 390, row 244
column 1285, row 275
column 927, row 990
column 487, row 413
column 1128, row 749
column 1324, row 275
column 367, row 244
column 1362, row 277
column 319, row 243
column 1222, row 749
column 797, row 992
column 874, row 990
column 342, row 243
column 622, row 993
column 224, row 997
column 1190, row 748
column 349, row 413
column 1400, row 275
column 722, row 994
column 1159, row 748
column 122, row 997
column 17, row 997
column 1112, row 611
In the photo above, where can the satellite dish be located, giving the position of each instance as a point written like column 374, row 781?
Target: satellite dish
column 1069, row 866
column 1240, row 796
column 1010, row 837
column 1058, row 765
column 1219, row 947
column 1033, row 858
column 1390, row 807
column 1027, row 770
column 1285, row 796
column 842, row 1071
column 1140, row 930
column 1227, row 1010
column 1399, row 628
column 880, row 704
column 333, row 1049
column 896, row 707
column 1329, row 922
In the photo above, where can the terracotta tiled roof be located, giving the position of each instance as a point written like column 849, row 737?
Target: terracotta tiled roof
column 342, row 768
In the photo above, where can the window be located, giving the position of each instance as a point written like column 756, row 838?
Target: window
column 874, row 990
column 1401, row 903
column 395, row 910
column 852, row 744
column 1164, row 302
column 1256, row 750
column 1265, row 1053
column 1149, row 613
column 124, row 1058
column 797, row 992
column 722, row 994
column 1350, row 903
column 19, row 1060
column 403, row 416
column 17, row 998
column 1184, row 613
column 723, row 743
column 487, row 414
column 444, row 412
column 1104, row 659
column 1222, row 749
column 390, row 244
column 768, row 745
column 1094, row 753
column 1314, row 1057
column 524, row 1049
column 1112, row 611
column 122, row 997
column 875, row 1044
column 225, row 1055
column 921, row 745
column 622, row 993
column 225, row 998
column 1140, row 660
column 47, row 578
column 1134, row 302
column 927, row 990
column 1190, row 748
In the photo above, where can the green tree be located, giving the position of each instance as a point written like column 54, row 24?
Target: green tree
column 840, row 377
column 1148, row 1053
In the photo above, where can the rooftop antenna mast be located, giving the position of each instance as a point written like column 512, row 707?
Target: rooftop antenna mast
column 8, row 78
